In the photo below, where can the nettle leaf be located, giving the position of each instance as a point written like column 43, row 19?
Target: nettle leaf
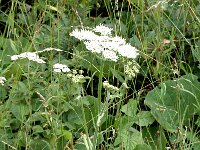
column 128, row 138
column 130, row 108
column 173, row 103
column 37, row 129
column 145, row 118
column 20, row 111
column 40, row 144
column 20, row 92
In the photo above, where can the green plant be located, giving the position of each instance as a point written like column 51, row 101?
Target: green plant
column 57, row 92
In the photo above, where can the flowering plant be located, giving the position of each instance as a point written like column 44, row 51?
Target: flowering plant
column 110, row 47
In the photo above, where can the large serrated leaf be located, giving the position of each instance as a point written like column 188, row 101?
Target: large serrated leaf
column 173, row 103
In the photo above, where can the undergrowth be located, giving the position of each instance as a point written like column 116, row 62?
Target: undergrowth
column 92, row 74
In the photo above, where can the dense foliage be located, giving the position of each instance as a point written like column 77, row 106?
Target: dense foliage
column 99, row 74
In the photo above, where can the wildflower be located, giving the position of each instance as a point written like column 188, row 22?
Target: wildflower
column 109, row 45
column 106, row 45
column 29, row 55
column 50, row 49
column 128, row 51
column 102, row 30
column 131, row 69
column 118, row 40
column 112, row 91
column 77, row 77
column 74, row 72
column 60, row 68
column 93, row 46
column 110, row 55
column 81, row 72
column 84, row 34
column 2, row 80
column 109, row 87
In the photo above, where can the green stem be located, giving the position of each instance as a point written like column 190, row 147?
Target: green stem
column 100, row 83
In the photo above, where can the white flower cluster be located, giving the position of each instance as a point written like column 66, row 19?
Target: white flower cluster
column 34, row 55
column 110, row 47
column 60, row 68
column 2, row 80
column 131, row 69
column 103, row 30
column 29, row 55
column 77, row 77
column 50, row 49
column 109, row 87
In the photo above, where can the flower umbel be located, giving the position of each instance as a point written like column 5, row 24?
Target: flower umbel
column 84, row 35
column 109, row 87
column 50, row 49
column 131, row 69
column 60, row 68
column 29, row 55
column 109, row 47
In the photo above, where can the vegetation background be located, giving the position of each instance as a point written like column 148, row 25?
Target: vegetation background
column 155, row 108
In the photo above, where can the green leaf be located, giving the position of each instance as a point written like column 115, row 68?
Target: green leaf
column 37, row 129
column 135, row 41
column 3, row 92
column 145, row 118
column 142, row 147
column 20, row 111
column 20, row 92
column 129, row 138
column 117, row 75
column 130, row 108
column 80, row 146
column 40, row 144
column 172, row 103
